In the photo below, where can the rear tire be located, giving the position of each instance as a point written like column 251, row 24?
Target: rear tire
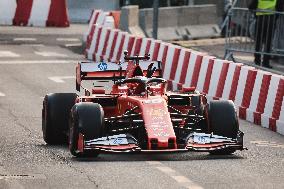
column 223, row 122
column 88, row 119
column 55, row 116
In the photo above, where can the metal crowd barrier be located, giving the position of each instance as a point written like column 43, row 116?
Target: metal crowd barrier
column 248, row 33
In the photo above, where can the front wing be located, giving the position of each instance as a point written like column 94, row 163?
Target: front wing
column 201, row 142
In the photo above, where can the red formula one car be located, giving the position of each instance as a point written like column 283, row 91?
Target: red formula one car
column 138, row 114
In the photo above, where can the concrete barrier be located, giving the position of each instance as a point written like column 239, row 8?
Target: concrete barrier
column 205, row 74
column 273, row 116
column 258, row 97
column 190, row 69
column 218, row 77
column 231, row 82
column 280, row 121
column 186, row 22
column 245, row 88
column 129, row 20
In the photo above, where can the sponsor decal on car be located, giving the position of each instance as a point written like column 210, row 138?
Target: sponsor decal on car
column 102, row 66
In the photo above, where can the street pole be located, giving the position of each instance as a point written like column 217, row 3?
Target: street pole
column 155, row 18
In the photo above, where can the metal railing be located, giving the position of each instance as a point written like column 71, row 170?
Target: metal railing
column 258, row 32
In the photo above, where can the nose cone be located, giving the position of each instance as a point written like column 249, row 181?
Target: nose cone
column 158, row 125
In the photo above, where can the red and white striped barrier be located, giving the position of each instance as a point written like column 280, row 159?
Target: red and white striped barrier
column 136, row 47
column 93, row 42
column 145, row 46
column 218, row 77
column 272, row 109
column 118, row 49
column 205, row 74
column 258, row 97
column 103, row 40
column 280, row 122
column 111, row 44
column 162, row 54
column 244, row 90
column 101, row 18
column 191, row 65
column 183, row 60
column 231, row 83
column 170, row 65
column 93, row 21
column 34, row 13
column 128, row 45
column 154, row 49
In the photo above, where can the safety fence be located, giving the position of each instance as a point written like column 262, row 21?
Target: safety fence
column 258, row 95
column 256, row 32
column 34, row 13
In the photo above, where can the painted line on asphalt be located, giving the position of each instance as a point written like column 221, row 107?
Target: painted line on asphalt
column 24, row 39
column 38, row 61
column 2, row 94
column 165, row 170
column 50, row 54
column 74, row 45
column 60, row 79
column 8, row 54
column 180, row 179
column 68, row 39
column 267, row 144
column 154, row 163
column 33, row 45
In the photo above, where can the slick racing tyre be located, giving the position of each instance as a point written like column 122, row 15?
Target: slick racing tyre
column 55, row 116
column 88, row 119
column 223, row 122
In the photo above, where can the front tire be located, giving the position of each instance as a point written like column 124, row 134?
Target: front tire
column 55, row 116
column 223, row 122
column 88, row 119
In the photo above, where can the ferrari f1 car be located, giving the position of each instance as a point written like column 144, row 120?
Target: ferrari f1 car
column 139, row 114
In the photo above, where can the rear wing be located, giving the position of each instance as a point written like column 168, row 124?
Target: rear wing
column 98, row 71
column 108, row 70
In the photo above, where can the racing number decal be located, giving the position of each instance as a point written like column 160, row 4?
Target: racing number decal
column 102, row 66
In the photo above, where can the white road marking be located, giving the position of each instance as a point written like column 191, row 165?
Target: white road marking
column 24, row 39
column 166, row 169
column 267, row 144
column 74, row 45
column 180, row 179
column 60, row 79
column 68, row 39
column 154, row 163
column 50, row 54
column 33, row 45
column 2, row 94
column 38, row 61
column 8, row 54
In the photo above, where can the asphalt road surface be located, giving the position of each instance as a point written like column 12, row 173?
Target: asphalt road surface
column 31, row 68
